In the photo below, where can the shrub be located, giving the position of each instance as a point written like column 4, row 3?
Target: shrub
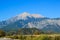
column 57, row 37
column 2, row 33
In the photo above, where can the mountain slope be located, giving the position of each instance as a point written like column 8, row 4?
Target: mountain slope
column 27, row 20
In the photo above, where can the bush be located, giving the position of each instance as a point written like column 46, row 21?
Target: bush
column 2, row 33
column 57, row 37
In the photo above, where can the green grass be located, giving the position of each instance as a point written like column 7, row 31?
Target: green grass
column 36, row 37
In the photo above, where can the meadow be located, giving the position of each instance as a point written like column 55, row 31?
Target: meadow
column 36, row 37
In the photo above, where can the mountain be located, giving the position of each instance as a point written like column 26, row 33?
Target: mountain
column 26, row 20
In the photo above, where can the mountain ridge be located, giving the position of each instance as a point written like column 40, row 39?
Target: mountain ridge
column 26, row 20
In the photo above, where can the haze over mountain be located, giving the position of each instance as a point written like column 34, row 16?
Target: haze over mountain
column 26, row 20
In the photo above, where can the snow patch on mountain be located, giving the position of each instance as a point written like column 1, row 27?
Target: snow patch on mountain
column 25, row 15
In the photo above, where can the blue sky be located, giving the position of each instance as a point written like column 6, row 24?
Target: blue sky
column 48, row 8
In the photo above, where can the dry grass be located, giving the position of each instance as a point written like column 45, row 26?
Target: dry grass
column 36, row 37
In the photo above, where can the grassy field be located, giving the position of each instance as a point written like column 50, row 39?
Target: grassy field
column 36, row 37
